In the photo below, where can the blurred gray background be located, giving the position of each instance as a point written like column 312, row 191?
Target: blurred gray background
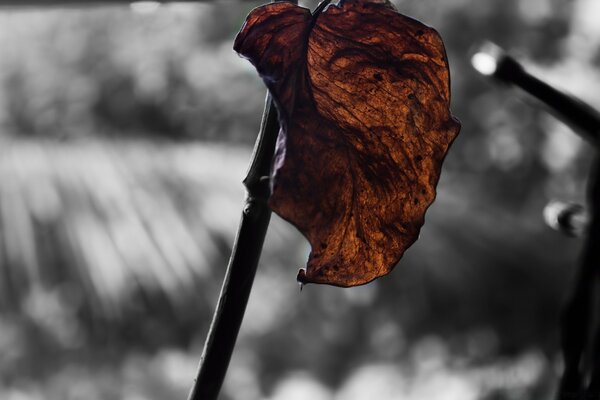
column 124, row 135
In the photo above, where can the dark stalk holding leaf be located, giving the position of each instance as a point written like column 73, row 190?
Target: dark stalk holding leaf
column 239, row 277
column 242, row 266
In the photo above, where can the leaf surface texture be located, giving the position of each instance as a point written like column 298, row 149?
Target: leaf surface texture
column 363, row 95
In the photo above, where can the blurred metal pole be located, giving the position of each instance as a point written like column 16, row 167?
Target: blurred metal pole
column 580, row 329
column 580, row 333
column 492, row 61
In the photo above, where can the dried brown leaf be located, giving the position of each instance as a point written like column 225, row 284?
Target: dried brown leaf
column 363, row 97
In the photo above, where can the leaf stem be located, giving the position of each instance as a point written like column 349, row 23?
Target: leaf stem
column 242, row 266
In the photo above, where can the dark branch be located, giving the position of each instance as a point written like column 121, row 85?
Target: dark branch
column 242, row 265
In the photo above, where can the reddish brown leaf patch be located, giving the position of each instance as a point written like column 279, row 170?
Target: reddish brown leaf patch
column 363, row 96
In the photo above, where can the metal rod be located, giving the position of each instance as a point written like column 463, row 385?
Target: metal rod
column 491, row 60
column 580, row 332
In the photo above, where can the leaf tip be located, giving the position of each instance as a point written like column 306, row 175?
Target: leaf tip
column 301, row 278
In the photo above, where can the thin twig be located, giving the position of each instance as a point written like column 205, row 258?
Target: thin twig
column 242, row 265
column 244, row 259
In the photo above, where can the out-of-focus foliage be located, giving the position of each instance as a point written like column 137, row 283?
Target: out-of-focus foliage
column 114, row 237
column 112, row 72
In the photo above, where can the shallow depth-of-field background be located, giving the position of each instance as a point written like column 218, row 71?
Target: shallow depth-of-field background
column 124, row 135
